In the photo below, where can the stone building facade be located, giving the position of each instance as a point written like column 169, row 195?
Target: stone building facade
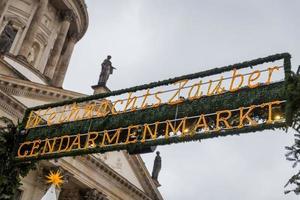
column 32, row 73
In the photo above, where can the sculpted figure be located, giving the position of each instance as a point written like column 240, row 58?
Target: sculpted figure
column 6, row 38
column 31, row 56
column 156, row 166
column 106, row 71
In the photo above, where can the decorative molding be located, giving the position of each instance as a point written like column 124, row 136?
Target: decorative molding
column 11, row 105
column 82, row 8
column 26, row 2
column 70, row 194
column 135, row 192
column 93, row 194
column 143, row 175
column 17, row 20
column 15, row 11
column 29, row 89
column 41, row 38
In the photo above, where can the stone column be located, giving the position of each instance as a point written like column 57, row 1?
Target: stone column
column 3, row 5
column 59, row 43
column 29, row 38
column 63, row 63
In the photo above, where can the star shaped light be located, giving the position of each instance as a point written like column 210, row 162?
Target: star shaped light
column 55, row 178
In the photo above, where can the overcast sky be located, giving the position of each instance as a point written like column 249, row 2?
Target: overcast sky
column 151, row 40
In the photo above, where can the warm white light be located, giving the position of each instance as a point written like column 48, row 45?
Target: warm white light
column 186, row 130
column 277, row 117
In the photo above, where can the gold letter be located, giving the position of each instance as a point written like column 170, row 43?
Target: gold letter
column 223, row 119
column 32, row 123
column 88, row 110
column 49, row 146
column 74, row 111
column 234, row 76
column 144, row 104
column 114, row 111
column 173, row 129
column 257, row 75
column 158, row 100
column 25, row 152
column 103, row 108
column 182, row 83
column 51, row 117
column 63, row 117
column 131, row 135
column 196, row 95
column 217, row 89
column 61, row 143
column 200, row 125
column 271, row 70
column 153, row 135
column 36, row 145
column 246, row 116
column 129, row 101
column 110, row 140
column 270, row 113
column 90, row 141
column 76, row 141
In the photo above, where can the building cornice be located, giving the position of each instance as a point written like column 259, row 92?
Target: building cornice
column 11, row 105
column 134, row 191
column 19, row 87
column 138, row 165
column 83, row 8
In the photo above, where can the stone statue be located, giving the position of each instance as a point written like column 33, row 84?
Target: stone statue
column 156, row 166
column 7, row 38
column 31, row 55
column 106, row 71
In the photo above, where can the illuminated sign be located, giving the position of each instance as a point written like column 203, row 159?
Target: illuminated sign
column 235, row 99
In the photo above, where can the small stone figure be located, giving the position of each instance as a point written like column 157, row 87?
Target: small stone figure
column 107, row 70
column 7, row 38
column 156, row 166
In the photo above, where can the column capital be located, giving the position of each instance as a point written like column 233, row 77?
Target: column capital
column 73, row 37
column 67, row 15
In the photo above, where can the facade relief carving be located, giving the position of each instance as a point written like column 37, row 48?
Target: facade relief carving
column 93, row 194
column 69, row 194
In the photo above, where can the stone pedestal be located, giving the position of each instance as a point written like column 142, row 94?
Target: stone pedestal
column 99, row 89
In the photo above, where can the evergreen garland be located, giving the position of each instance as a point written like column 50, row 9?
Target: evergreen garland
column 210, row 104
column 160, row 141
column 272, row 58
column 10, row 171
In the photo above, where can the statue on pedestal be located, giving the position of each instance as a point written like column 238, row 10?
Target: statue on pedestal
column 106, row 71
column 7, row 38
column 156, row 166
